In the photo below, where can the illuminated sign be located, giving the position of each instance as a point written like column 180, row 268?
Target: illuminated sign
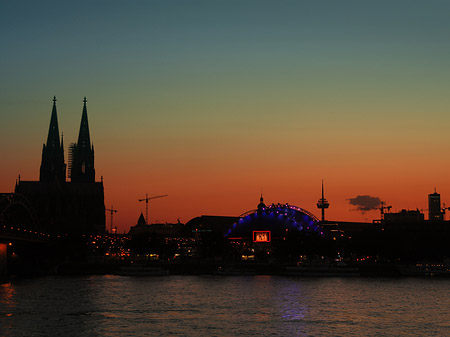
column 261, row 236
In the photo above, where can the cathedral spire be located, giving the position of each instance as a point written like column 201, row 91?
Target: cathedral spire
column 53, row 131
column 52, row 164
column 82, row 153
column 84, row 139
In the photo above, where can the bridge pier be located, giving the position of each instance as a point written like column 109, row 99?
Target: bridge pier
column 3, row 261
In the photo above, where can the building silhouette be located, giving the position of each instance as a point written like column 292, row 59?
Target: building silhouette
column 434, row 207
column 81, row 154
column 404, row 217
column 52, row 164
column 67, row 207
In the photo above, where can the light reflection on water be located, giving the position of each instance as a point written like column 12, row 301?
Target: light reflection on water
column 224, row 306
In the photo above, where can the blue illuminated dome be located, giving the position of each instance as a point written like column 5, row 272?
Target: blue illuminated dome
column 279, row 219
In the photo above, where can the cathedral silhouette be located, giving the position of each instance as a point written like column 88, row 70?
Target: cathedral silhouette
column 67, row 207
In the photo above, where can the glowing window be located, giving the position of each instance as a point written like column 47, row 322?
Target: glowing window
column 261, row 236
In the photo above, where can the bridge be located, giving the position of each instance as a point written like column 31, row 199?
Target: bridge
column 19, row 228
column 18, row 212
column 19, row 221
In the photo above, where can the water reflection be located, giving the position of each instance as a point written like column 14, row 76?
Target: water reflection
column 7, row 305
column 45, row 307
column 7, row 295
column 292, row 301
column 223, row 306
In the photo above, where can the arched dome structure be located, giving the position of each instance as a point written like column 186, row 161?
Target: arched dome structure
column 277, row 220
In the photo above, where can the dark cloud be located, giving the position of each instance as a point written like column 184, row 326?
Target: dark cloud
column 365, row 203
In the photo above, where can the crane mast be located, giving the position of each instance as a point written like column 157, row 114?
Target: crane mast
column 383, row 207
column 146, row 199
column 112, row 211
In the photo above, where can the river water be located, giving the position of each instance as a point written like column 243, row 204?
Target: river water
column 224, row 306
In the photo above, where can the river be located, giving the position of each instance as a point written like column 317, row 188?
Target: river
column 224, row 306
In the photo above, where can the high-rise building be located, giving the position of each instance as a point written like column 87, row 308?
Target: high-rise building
column 434, row 207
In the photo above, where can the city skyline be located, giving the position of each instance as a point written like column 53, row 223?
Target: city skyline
column 216, row 103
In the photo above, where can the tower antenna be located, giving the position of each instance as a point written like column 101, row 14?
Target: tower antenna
column 323, row 204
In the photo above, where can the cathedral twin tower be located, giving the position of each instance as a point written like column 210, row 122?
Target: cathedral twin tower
column 75, row 206
column 81, row 154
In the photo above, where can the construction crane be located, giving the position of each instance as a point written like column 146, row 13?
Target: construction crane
column 443, row 211
column 112, row 211
column 382, row 208
column 146, row 199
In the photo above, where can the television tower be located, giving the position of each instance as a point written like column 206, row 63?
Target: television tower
column 323, row 204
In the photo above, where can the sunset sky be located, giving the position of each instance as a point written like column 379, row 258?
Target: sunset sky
column 214, row 102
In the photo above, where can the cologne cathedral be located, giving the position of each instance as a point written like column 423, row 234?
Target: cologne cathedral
column 67, row 207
